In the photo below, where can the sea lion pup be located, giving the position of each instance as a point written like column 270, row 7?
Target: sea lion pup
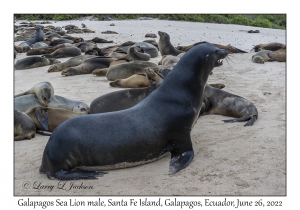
column 39, row 36
column 24, row 127
column 34, row 62
column 262, row 56
column 228, row 48
column 125, row 70
column 77, row 60
column 134, row 81
column 47, row 119
column 160, row 123
column 168, row 60
column 64, row 53
column 278, row 55
column 43, row 92
column 164, row 45
column 269, row 46
column 137, row 53
column 89, row 65
column 125, row 99
column 227, row 104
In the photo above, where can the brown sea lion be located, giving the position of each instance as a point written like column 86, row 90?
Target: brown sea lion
column 228, row 48
column 278, row 55
column 89, row 65
column 47, row 119
column 77, row 60
column 269, row 46
column 24, row 127
column 100, row 40
column 134, row 81
column 64, row 52
column 125, row 70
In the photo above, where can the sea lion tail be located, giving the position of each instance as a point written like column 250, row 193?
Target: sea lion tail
column 65, row 175
column 251, row 121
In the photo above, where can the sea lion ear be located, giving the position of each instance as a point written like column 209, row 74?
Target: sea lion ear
column 42, row 117
column 180, row 161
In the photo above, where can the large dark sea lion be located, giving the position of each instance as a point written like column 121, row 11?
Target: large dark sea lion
column 160, row 123
column 34, row 62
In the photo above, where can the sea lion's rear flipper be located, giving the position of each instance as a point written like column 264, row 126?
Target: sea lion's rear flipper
column 21, row 94
column 44, row 133
column 243, row 118
column 42, row 117
column 251, row 121
column 65, row 175
column 180, row 161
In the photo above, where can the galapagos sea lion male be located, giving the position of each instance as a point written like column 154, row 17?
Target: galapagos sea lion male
column 161, row 123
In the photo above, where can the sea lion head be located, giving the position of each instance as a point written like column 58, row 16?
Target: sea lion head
column 209, row 55
column 163, row 35
column 81, row 108
column 258, row 59
column 45, row 95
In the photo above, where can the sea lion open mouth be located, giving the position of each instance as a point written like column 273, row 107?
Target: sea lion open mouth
column 219, row 62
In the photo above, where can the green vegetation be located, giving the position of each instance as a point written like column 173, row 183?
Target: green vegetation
column 277, row 21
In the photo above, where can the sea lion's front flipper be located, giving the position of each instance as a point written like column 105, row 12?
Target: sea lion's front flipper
column 42, row 117
column 65, row 175
column 180, row 161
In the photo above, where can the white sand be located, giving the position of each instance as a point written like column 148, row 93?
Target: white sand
column 230, row 159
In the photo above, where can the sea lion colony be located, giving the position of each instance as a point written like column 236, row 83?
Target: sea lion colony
column 128, row 65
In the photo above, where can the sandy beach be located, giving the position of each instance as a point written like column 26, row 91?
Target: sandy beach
column 230, row 159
